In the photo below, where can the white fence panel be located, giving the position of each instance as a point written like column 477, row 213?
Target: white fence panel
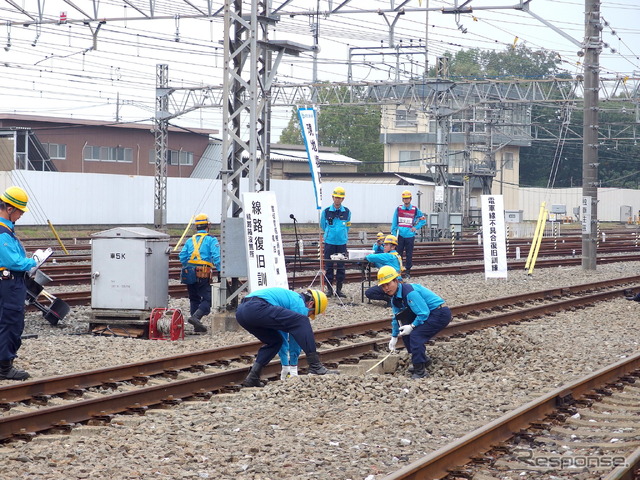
column 609, row 201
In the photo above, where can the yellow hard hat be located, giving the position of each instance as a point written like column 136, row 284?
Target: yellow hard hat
column 380, row 236
column 320, row 301
column 16, row 197
column 202, row 219
column 406, row 194
column 391, row 239
column 338, row 192
column 386, row 274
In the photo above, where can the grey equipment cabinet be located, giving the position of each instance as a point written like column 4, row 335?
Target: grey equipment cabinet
column 129, row 269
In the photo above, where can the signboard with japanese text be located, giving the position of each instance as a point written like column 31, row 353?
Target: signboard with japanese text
column 585, row 215
column 309, row 130
column 438, row 194
column 263, row 241
column 493, row 237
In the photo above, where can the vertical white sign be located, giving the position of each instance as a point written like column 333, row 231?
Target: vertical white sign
column 438, row 194
column 265, row 255
column 493, row 237
column 585, row 215
column 309, row 130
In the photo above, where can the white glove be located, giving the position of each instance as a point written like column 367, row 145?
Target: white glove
column 392, row 344
column 406, row 330
column 41, row 256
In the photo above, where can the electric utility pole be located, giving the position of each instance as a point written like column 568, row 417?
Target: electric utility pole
column 592, row 47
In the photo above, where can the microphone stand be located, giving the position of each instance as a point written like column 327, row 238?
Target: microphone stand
column 297, row 248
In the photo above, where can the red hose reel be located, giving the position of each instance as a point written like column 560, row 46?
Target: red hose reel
column 166, row 324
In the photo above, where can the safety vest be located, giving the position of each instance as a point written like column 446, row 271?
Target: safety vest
column 405, row 316
column 399, row 260
column 406, row 218
column 196, row 259
column 329, row 214
column 5, row 229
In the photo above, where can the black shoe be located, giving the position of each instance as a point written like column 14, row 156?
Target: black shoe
column 198, row 327
column 253, row 379
column 419, row 371
column 339, row 290
column 316, row 368
column 9, row 372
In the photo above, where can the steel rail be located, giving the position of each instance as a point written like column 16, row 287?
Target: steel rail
column 74, row 383
column 460, row 452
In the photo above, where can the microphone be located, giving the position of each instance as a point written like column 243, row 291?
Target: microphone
column 292, row 217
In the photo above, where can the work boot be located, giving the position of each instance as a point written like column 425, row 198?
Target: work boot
column 427, row 363
column 284, row 373
column 339, row 290
column 293, row 370
column 419, row 371
column 9, row 372
column 194, row 320
column 634, row 299
column 329, row 290
column 316, row 368
column 253, row 379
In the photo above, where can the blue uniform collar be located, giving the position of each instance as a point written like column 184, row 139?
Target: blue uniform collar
column 7, row 222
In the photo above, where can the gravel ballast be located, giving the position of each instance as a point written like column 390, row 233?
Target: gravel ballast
column 329, row 427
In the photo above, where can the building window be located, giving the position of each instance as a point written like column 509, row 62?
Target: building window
column 174, row 157
column 507, row 160
column 406, row 118
column 409, row 158
column 57, row 151
column 107, row 154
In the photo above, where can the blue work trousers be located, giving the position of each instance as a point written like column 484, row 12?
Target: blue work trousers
column 328, row 264
column 289, row 351
column 200, row 296
column 263, row 320
column 376, row 293
column 414, row 343
column 12, row 296
column 405, row 245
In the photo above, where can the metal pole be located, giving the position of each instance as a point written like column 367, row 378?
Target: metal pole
column 592, row 47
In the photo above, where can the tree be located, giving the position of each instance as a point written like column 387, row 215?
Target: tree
column 518, row 62
column 353, row 129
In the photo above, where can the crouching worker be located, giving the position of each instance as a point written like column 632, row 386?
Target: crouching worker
column 388, row 257
column 267, row 312
column 418, row 315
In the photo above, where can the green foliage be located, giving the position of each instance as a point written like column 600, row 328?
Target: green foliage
column 518, row 62
column 353, row 129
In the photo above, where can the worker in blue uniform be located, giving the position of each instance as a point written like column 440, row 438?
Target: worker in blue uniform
column 14, row 265
column 418, row 315
column 335, row 221
column 198, row 256
column 266, row 312
column 407, row 220
column 391, row 258
column 378, row 246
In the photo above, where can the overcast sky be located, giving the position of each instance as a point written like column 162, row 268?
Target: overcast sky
column 55, row 70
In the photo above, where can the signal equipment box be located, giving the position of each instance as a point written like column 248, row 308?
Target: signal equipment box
column 129, row 269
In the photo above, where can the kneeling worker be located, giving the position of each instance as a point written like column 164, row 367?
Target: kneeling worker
column 418, row 315
column 391, row 258
column 267, row 312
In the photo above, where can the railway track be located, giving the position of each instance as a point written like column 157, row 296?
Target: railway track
column 83, row 298
column 589, row 426
column 220, row 370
